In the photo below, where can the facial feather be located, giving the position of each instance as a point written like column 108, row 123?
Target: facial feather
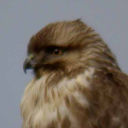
column 79, row 45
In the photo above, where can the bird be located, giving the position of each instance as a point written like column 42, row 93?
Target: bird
column 77, row 81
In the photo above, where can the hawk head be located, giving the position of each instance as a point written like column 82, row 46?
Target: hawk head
column 67, row 46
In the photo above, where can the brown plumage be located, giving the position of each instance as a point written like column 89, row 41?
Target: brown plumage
column 77, row 82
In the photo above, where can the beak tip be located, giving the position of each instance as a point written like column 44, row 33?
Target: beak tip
column 24, row 69
column 27, row 65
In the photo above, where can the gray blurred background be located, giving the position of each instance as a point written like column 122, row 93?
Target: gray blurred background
column 20, row 19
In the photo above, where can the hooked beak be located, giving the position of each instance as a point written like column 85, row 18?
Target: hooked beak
column 28, row 64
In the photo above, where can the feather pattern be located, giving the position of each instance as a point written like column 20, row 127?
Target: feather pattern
column 81, row 87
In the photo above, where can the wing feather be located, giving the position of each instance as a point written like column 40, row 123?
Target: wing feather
column 109, row 102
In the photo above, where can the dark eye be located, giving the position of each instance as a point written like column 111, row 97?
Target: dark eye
column 56, row 52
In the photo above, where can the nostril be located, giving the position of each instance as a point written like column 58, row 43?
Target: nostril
column 31, row 57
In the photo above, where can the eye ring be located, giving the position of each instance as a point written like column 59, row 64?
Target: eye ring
column 56, row 52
